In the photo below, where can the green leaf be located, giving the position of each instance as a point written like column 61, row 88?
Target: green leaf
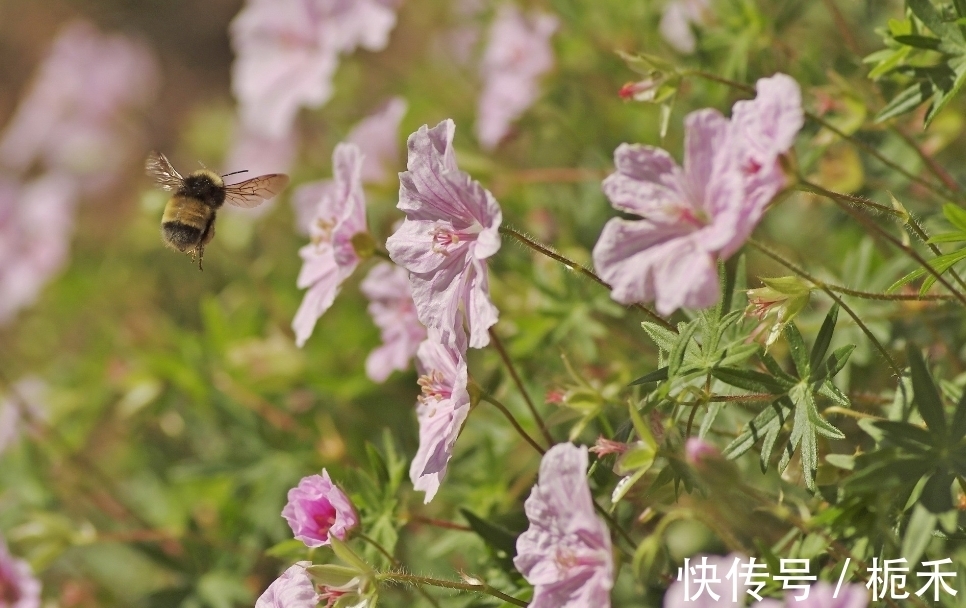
column 658, row 375
column 912, row 276
column 798, row 350
column 918, row 533
column 926, row 393
column 769, row 421
column 676, row 355
column 958, row 66
column 920, row 42
column 776, row 370
column 832, row 392
column 378, row 464
column 824, row 338
column 956, row 215
column 822, row 426
column 663, row 337
column 499, row 538
column 749, row 380
column 927, row 13
column 937, row 496
column 906, row 101
column 947, row 237
column 835, row 362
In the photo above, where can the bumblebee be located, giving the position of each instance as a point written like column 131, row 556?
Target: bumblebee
column 188, row 222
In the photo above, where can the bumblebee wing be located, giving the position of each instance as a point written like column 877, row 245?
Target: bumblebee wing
column 166, row 176
column 252, row 192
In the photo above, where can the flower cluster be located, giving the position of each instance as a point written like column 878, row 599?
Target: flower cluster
column 703, row 212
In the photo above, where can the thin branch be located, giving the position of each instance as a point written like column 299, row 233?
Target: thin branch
column 513, row 421
column 400, row 577
column 508, row 362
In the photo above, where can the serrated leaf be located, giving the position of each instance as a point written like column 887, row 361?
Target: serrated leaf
column 663, row 337
column 926, row 395
column 749, row 380
column 937, row 496
column 824, row 338
column 658, row 375
column 797, row 349
column 769, row 420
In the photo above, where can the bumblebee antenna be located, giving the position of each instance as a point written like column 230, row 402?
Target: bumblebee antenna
column 235, row 172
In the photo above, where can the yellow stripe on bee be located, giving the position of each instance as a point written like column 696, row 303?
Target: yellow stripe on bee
column 188, row 211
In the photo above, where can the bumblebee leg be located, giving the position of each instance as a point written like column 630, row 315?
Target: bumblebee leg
column 201, row 255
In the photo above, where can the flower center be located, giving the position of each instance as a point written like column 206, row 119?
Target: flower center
column 446, row 238
column 331, row 596
column 434, row 386
column 324, row 518
column 698, row 219
column 323, row 231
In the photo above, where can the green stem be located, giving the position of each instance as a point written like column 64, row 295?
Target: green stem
column 898, row 297
column 399, row 577
column 808, row 277
column 587, row 272
column 513, row 421
column 508, row 362
column 842, row 201
column 396, row 564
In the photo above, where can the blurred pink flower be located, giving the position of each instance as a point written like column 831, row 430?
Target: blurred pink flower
column 707, row 584
column 517, row 54
column 393, row 311
column 318, row 509
column 293, row 589
column 441, row 410
column 696, row 450
column 36, row 220
column 305, row 202
column 75, row 117
column 452, row 225
column 678, row 18
column 566, row 552
column 288, row 50
column 378, row 138
column 258, row 154
column 693, row 218
column 765, row 128
column 19, row 588
column 30, row 393
column 331, row 256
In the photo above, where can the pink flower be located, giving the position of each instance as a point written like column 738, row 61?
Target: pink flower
column 707, row 584
column 36, row 221
column 293, row 589
column 566, row 552
column 678, row 18
column 518, row 53
column 288, row 50
column 377, row 137
column 19, row 588
column 74, row 117
column 765, row 128
column 694, row 217
column 452, row 225
column 441, row 410
column 393, row 311
column 331, row 257
column 318, row 509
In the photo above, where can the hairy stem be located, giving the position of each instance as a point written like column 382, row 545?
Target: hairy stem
column 587, row 272
column 400, row 577
column 396, row 564
column 508, row 362
column 513, row 421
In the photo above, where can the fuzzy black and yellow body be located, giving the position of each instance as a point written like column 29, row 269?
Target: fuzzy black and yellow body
column 188, row 222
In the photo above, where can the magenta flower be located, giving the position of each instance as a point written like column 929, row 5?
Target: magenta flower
column 694, row 216
column 441, row 409
column 318, row 509
column 19, row 588
column 331, row 257
column 288, row 50
column 36, row 221
column 764, row 129
column 697, row 450
column 566, row 552
column 293, row 589
column 377, row 137
column 452, row 225
column 393, row 311
column 75, row 117
column 517, row 55
column 678, row 19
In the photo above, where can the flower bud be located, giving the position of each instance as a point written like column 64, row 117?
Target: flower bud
column 318, row 510
column 776, row 304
